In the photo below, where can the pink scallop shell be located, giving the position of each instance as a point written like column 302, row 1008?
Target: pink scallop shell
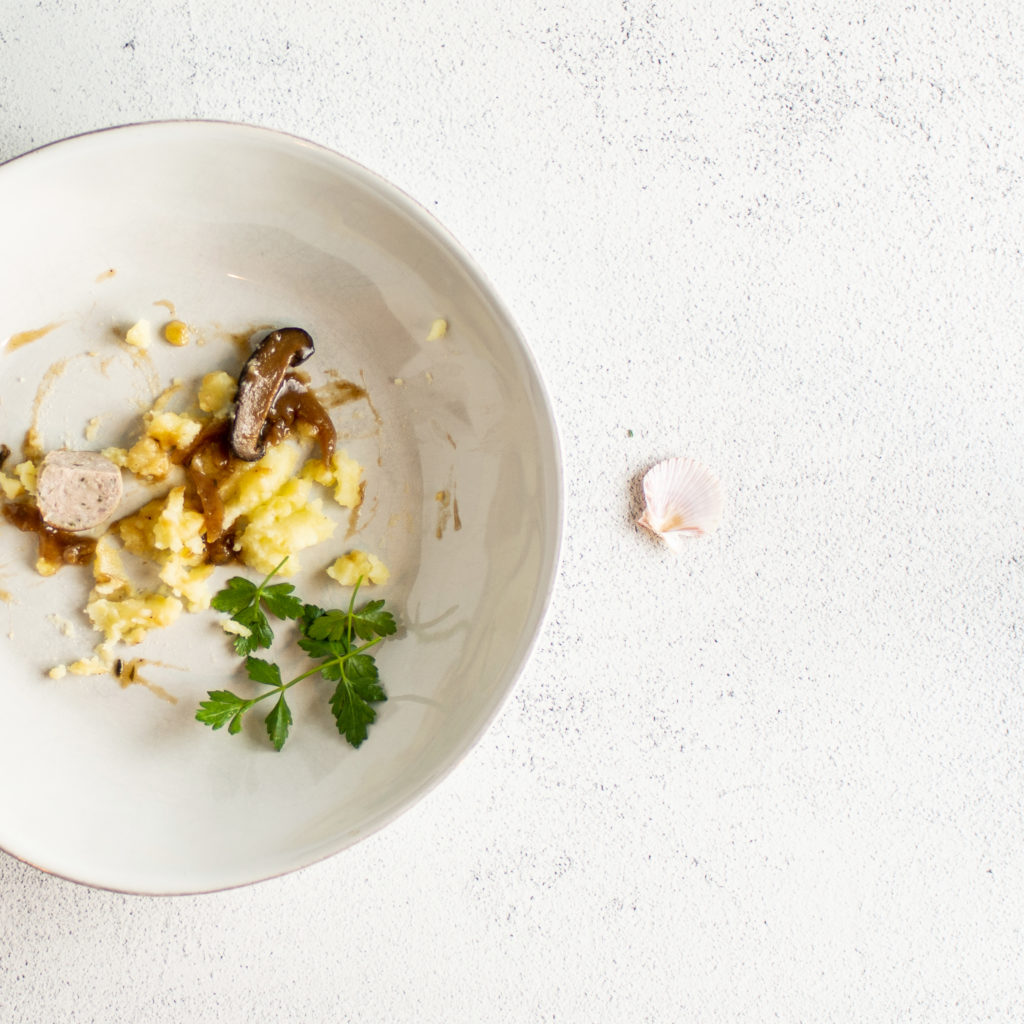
column 684, row 500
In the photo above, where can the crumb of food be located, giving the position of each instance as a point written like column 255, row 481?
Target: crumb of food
column 176, row 333
column 129, row 619
column 217, row 392
column 188, row 583
column 139, row 335
column 438, row 329
column 171, row 430
column 136, row 531
column 94, row 666
column 399, row 381
column 147, row 459
column 235, row 628
column 26, row 473
column 91, row 428
column 429, row 376
column 116, row 609
column 118, row 456
column 165, row 432
column 179, row 530
column 33, row 443
column 11, row 487
column 58, row 672
column 347, row 569
column 108, row 570
column 343, row 473
column 62, row 624
column 162, row 400
column 47, row 567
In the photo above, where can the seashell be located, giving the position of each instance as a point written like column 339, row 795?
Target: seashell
column 684, row 499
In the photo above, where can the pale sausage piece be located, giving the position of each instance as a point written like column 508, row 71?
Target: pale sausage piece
column 77, row 490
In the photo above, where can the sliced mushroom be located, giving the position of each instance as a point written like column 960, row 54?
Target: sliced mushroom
column 258, row 384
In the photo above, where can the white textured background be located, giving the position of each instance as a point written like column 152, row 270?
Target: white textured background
column 780, row 779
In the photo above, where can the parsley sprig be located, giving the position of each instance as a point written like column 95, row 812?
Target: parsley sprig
column 337, row 640
column 244, row 600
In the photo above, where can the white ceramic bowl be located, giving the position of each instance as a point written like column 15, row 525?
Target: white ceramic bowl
column 234, row 227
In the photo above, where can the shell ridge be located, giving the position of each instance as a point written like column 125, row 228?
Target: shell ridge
column 683, row 499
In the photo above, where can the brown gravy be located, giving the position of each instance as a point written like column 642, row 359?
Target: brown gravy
column 297, row 404
column 57, row 547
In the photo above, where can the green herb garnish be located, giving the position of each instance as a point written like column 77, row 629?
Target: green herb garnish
column 338, row 640
column 244, row 600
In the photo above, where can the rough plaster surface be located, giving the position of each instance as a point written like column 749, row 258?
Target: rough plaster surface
column 780, row 778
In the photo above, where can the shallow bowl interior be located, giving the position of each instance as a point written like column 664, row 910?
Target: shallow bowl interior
column 228, row 228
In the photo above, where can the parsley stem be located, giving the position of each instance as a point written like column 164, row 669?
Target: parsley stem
column 314, row 670
column 273, row 572
column 352, row 604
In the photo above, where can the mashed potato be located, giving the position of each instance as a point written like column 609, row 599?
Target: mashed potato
column 272, row 511
column 217, row 392
column 172, row 431
column 347, row 569
column 26, row 473
column 139, row 335
column 11, row 487
column 342, row 473
column 288, row 522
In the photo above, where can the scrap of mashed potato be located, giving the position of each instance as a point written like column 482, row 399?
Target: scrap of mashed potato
column 343, row 474
column 217, row 392
column 10, row 486
column 150, row 457
column 26, row 473
column 347, row 569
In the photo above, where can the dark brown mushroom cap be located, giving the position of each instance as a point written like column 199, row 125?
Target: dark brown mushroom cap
column 258, row 384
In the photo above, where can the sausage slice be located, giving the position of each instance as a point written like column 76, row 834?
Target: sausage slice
column 77, row 490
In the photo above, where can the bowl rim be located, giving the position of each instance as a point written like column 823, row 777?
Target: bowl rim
column 542, row 606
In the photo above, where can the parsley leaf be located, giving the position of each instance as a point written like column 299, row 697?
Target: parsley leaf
column 223, row 707
column 363, row 674
column 278, row 722
column 261, row 671
column 239, row 593
column 337, row 640
column 371, row 620
column 309, row 613
column 332, row 625
column 323, row 648
column 280, row 600
column 260, row 633
column 350, row 705
column 243, row 600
